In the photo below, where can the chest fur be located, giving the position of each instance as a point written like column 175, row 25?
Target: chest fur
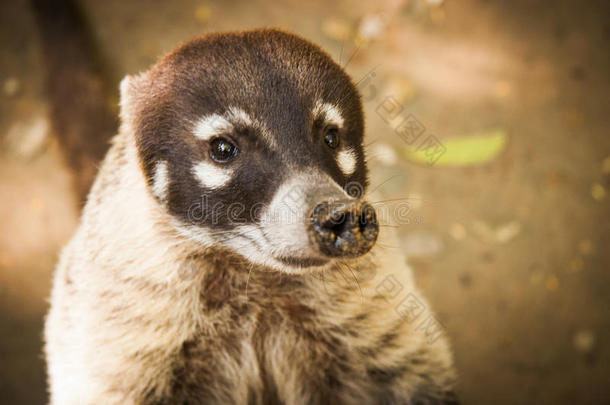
column 284, row 342
column 264, row 352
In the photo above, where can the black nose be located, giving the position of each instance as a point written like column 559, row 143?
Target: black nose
column 344, row 229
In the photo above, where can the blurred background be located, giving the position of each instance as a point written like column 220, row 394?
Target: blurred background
column 508, row 213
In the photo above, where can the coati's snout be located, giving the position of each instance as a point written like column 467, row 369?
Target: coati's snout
column 343, row 229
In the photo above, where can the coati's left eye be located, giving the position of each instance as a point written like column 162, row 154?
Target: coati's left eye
column 222, row 150
column 331, row 137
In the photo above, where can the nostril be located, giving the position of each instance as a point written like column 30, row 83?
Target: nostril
column 348, row 229
column 337, row 225
column 368, row 222
column 362, row 221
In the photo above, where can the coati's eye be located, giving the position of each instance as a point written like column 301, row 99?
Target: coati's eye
column 331, row 137
column 222, row 150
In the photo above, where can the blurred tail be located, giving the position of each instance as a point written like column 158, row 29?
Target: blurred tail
column 81, row 116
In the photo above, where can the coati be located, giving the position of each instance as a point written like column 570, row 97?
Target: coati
column 222, row 257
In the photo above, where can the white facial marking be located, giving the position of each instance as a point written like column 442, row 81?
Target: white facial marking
column 285, row 216
column 210, row 126
column 212, row 176
column 347, row 161
column 239, row 115
column 213, row 125
column 160, row 185
column 330, row 112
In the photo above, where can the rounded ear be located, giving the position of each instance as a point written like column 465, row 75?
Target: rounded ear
column 129, row 89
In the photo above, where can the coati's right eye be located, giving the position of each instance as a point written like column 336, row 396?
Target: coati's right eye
column 222, row 150
column 331, row 137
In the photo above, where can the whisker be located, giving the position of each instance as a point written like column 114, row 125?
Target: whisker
column 234, row 234
column 387, row 246
column 352, row 56
column 400, row 199
column 355, row 279
column 342, row 275
column 367, row 74
column 375, row 156
column 359, row 81
column 366, row 145
column 248, row 279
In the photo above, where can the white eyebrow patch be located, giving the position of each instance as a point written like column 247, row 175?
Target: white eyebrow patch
column 239, row 115
column 160, row 186
column 346, row 159
column 330, row 112
column 210, row 126
column 210, row 175
column 213, row 125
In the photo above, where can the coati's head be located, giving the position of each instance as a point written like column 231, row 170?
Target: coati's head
column 252, row 141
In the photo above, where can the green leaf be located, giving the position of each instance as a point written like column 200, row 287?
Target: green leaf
column 471, row 150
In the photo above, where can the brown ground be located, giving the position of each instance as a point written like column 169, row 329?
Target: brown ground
column 511, row 253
